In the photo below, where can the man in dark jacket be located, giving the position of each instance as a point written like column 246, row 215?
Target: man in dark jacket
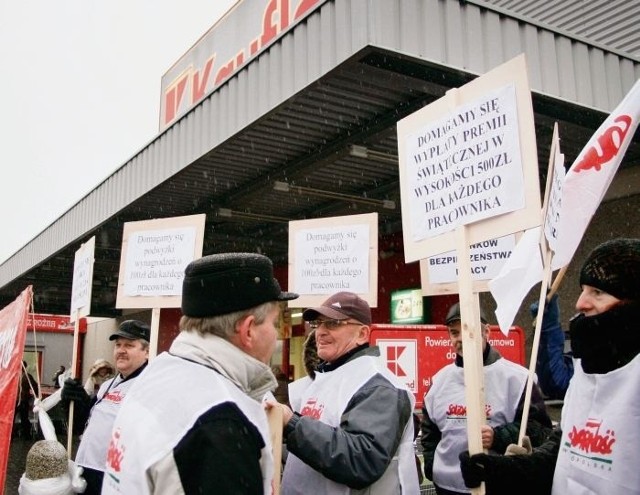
column 554, row 366
column 594, row 449
column 94, row 415
column 194, row 422
column 444, row 425
column 27, row 388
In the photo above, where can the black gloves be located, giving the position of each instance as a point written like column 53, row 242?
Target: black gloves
column 473, row 468
column 72, row 390
column 551, row 316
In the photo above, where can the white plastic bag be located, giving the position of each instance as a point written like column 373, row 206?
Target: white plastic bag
column 68, row 484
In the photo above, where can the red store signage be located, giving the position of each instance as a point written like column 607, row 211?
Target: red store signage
column 54, row 323
column 414, row 353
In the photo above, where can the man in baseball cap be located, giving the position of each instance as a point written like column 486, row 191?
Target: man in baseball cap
column 445, row 405
column 203, row 426
column 354, row 426
column 130, row 354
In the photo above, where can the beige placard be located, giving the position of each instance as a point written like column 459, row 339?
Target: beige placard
column 329, row 255
column 464, row 153
column 163, row 253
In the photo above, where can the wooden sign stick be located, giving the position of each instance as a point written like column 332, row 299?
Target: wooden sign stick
column 274, row 416
column 471, row 349
column 74, row 363
column 155, row 326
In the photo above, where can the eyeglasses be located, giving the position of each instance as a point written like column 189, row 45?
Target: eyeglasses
column 331, row 324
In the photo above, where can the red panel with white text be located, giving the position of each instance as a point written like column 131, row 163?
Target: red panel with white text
column 414, row 353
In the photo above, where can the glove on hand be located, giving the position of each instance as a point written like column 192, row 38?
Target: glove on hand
column 72, row 390
column 514, row 449
column 551, row 316
column 473, row 468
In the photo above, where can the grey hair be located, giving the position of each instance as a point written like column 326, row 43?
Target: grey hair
column 224, row 326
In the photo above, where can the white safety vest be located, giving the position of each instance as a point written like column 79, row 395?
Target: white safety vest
column 146, row 430
column 296, row 389
column 325, row 399
column 92, row 452
column 446, row 405
column 600, row 433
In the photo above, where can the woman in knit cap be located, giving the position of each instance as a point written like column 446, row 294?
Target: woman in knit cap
column 594, row 449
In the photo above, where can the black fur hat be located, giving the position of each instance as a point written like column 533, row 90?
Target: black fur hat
column 614, row 267
column 219, row 284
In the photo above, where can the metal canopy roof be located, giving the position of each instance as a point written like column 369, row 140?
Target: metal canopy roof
column 305, row 142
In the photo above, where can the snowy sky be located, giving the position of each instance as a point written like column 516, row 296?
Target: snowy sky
column 80, row 95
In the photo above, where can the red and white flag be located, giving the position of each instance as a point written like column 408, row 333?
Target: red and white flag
column 13, row 331
column 591, row 174
column 583, row 188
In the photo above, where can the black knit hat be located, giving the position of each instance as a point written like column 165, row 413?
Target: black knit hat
column 614, row 267
column 219, row 284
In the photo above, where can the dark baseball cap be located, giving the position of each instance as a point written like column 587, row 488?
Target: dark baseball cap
column 341, row 306
column 132, row 329
column 454, row 315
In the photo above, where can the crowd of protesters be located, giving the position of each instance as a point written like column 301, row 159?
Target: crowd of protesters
column 196, row 419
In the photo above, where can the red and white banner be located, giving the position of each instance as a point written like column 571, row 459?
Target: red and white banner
column 591, row 174
column 13, row 330
column 583, row 188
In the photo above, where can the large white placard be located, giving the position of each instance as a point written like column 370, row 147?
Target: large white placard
column 469, row 160
column 329, row 255
column 154, row 256
column 466, row 166
column 82, row 280
column 332, row 259
column 156, row 260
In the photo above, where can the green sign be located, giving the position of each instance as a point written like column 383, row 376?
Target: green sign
column 407, row 306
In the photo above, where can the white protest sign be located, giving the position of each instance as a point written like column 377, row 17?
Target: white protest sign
column 82, row 280
column 156, row 260
column 330, row 255
column 487, row 258
column 464, row 160
column 466, row 165
column 552, row 217
column 154, row 256
column 332, row 260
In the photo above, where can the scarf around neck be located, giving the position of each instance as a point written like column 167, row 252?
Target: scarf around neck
column 251, row 376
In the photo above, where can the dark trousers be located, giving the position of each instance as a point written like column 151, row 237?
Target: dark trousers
column 25, row 422
column 443, row 491
column 93, row 478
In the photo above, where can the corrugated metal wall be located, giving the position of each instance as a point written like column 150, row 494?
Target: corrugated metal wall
column 446, row 32
column 475, row 39
column 614, row 24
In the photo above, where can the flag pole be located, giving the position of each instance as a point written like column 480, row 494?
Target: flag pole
column 547, row 256
column 556, row 284
column 536, row 343
column 74, row 363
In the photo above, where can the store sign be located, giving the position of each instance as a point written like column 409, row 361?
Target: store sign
column 54, row 323
column 244, row 32
column 415, row 353
column 407, row 306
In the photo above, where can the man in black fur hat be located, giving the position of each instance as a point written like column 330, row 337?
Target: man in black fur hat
column 194, row 422
column 594, row 449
